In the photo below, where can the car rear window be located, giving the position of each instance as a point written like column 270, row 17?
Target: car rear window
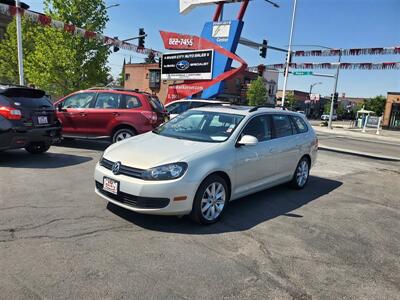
column 156, row 104
column 28, row 98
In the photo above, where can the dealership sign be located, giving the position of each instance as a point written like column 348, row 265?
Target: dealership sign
column 193, row 65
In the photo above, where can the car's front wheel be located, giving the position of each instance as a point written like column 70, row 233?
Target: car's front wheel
column 300, row 176
column 210, row 201
column 37, row 147
column 122, row 134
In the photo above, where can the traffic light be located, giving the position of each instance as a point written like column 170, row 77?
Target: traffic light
column 263, row 50
column 335, row 100
column 115, row 48
column 142, row 36
column 290, row 61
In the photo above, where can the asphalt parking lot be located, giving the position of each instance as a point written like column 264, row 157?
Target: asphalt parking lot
column 337, row 238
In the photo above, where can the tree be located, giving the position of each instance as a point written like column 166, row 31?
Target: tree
column 290, row 101
column 57, row 61
column 150, row 59
column 121, row 78
column 257, row 92
column 327, row 107
column 376, row 104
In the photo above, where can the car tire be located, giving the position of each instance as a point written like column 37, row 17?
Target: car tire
column 210, row 200
column 122, row 134
column 38, row 147
column 301, row 174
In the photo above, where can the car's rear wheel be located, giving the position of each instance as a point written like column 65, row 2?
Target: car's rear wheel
column 122, row 134
column 300, row 176
column 210, row 201
column 37, row 147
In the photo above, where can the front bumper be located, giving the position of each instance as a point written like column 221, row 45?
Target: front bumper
column 15, row 138
column 148, row 197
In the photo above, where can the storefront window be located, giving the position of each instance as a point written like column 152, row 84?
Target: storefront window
column 395, row 116
column 154, row 79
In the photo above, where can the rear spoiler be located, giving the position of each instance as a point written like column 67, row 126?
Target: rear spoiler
column 22, row 92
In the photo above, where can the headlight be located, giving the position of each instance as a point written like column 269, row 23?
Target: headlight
column 165, row 172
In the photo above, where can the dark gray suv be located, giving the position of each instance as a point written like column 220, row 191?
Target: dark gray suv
column 27, row 119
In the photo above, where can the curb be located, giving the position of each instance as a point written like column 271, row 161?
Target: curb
column 357, row 153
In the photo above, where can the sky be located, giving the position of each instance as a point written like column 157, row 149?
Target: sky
column 330, row 23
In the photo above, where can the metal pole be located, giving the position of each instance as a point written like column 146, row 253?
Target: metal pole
column 289, row 53
column 334, row 90
column 19, row 45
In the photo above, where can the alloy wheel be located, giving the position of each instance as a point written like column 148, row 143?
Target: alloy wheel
column 302, row 173
column 213, row 201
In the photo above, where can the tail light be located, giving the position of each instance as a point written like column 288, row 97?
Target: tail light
column 150, row 116
column 10, row 113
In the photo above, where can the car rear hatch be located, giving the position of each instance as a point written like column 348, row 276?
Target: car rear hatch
column 159, row 109
column 37, row 110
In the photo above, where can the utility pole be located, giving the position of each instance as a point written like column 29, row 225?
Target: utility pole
column 288, row 58
column 334, row 90
column 19, row 44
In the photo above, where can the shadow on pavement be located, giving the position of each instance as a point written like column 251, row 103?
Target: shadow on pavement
column 242, row 214
column 48, row 160
column 84, row 144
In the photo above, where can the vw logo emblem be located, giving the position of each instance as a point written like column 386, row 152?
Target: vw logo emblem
column 116, row 167
column 182, row 65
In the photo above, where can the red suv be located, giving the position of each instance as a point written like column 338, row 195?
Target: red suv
column 109, row 113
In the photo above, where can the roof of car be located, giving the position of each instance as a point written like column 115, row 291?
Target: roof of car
column 243, row 110
column 199, row 100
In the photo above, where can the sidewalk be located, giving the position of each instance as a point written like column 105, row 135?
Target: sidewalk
column 387, row 136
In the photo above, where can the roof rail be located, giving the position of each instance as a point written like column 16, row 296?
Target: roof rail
column 255, row 108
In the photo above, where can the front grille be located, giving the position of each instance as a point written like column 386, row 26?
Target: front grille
column 124, row 170
column 134, row 201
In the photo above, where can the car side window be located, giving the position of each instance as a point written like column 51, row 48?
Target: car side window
column 108, row 101
column 259, row 127
column 300, row 124
column 81, row 100
column 282, row 125
column 132, row 102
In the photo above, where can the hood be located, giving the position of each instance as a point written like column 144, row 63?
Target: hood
column 151, row 150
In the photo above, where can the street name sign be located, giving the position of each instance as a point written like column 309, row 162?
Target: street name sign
column 302, row 73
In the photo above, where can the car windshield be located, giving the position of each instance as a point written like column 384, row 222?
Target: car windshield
column 202, row 126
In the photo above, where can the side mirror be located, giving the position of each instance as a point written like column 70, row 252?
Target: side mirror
column 247, row 140
column 60, row 107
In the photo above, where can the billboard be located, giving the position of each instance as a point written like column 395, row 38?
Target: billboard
column 186, row 6
column 193, row 65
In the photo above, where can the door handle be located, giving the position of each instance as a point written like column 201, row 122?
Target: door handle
column 115, row 114
column 83, row 114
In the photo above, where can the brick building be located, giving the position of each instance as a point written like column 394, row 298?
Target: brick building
column 391, row 116
column 147, row 77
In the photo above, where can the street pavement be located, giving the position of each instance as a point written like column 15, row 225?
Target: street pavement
column 337, row 238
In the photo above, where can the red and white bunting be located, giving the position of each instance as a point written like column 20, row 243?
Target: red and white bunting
column 349, row 52
column 48, row 21
column 348, row 66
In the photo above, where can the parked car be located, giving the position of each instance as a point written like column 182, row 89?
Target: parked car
column 326, row 117
column 116, row 114
column 177, row 107
column 27, row 119
column 202, row 159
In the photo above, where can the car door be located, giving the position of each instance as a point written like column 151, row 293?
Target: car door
column 73, row 114
column 255, row 166
column 286, row 145
column 104, row 112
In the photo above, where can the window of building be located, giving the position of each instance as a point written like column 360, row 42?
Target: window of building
column 154, row 79
column 127, row 76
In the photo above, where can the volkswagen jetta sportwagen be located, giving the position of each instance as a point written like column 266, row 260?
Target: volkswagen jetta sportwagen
column 202, row 159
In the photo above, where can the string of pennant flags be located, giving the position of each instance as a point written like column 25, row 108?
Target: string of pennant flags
column 349, row 52
column 48, row 21
column 344, row 65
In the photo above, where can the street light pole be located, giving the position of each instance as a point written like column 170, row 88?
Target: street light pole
column 19, row 44
column 289, row 54
column 334, row 90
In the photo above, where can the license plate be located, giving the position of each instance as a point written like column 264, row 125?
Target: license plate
column 110, row 185
column 43, row 120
